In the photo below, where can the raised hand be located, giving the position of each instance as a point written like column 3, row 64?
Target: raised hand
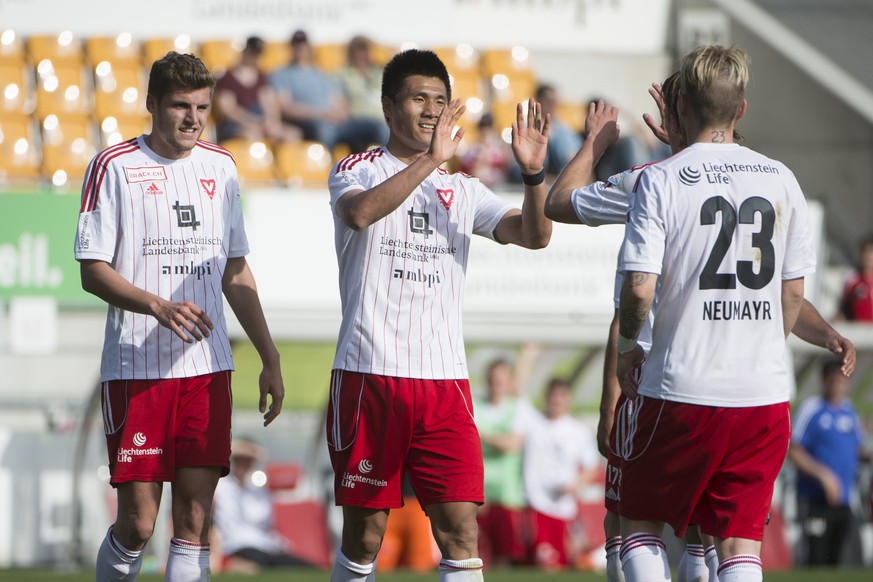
column 530, row 137
column 442, row 144
column 659, row 129
column 601, row 124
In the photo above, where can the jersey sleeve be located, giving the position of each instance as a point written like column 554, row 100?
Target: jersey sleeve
column 347, row 176
column 490, row 209
column 99, row 214
column 238, row 242
column 799, row 254
column 645, row 233
column 605, row 202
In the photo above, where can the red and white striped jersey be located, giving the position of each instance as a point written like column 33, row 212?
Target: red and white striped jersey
column 168, row 227
column 402, row 278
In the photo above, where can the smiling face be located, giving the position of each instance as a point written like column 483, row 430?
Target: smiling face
column 412, row 115
column 178, row 120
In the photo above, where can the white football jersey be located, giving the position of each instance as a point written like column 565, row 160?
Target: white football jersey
column 722, row 226
column 167, row 226
column 402, row 278
column 606, row 202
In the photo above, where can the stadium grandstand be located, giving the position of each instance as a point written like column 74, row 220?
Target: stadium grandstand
column 73, row 81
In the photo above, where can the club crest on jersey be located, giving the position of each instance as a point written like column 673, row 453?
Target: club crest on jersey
column 446, row 197
column 145, row 174
column 208, row 187
column 153, row 190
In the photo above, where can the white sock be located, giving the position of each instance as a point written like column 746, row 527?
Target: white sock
column 613, row 560
column 711, row 558
column 187, row 562
column 115, row 562
column 695, row 569
column 469, row 570
column 344, row 570
column 644, row 558
column 741, row 568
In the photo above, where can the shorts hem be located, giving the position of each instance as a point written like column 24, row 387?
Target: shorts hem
column 368, row 504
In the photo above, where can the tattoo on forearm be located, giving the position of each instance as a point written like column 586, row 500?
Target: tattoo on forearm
column 631, row 321
column 718, row 136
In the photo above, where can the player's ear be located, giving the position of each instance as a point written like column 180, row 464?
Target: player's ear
column 387, row 103
column 742, row 110
column 151, row 104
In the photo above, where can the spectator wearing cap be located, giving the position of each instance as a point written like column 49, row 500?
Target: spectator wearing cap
column 307, row 96
column 244, row 103
column 243, row 516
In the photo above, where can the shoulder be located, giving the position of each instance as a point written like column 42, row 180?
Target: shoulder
column 217, row 153
column 806, row 411
column 119, row 151
column 360, row 160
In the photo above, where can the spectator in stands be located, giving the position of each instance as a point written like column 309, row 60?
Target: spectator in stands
column 489, row 158
column 503, row 420
column 560, row 457
column 857, row 300
column 308, row 97
column 243, row 517
column 360, row 82
column 826, row 448
column 563, row 141
column 244, row 103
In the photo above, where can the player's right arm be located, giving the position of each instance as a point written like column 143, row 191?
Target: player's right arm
column 103, row 281
column 358, row 209
column 601, row 131
column 611, row 389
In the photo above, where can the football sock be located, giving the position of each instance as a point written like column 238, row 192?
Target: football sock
column 469, row 570
column 741, row 568
column 115, row 562
column 693, row 566
column 644, row 558
column 613, row 560
column 711, row 557
column 344, row 570
column 187, row 562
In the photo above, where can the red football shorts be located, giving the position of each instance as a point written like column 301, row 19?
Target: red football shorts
column 154, row 427
column 501, row 534
column 616, row 443
column 380, row 426
column 549, row 545
column 708, row 465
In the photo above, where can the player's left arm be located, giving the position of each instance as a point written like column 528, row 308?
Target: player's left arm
column 792, row 299
column 812, row 328
column 637, row 295
column 529, row 227
column 238, row 285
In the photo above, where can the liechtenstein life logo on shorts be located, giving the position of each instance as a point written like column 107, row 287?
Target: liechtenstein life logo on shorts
column 365, row 466
column 350, row 480
column 139, row 440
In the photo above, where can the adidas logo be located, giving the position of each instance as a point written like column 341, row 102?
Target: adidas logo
column 611, row 494
column 153, row 190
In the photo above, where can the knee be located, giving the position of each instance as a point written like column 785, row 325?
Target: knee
column 133, row 532
column 459, row 539
column 361, row 542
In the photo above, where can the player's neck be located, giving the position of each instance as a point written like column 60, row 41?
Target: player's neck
column 714, row 134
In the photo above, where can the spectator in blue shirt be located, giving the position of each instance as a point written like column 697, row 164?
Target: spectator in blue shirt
column 826, row 449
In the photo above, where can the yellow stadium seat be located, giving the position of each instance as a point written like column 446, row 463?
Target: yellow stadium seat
column 506, row 61
column 69, row 143
column 381, row 53
column 461, row 57
column 219, row 55
column 62, row 49
column 119, row 90
column 155, row 48
column 276, row 55
column 573, row 113
column 114, row 130
column 19, row 149
column 330, row 57
column 121, row 50
column 12, row 49
column 305, row 163
column 16, row 89
column 254, row 161
column 62, row 89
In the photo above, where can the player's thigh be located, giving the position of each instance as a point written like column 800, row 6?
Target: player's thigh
column 203, row 422
column 445, row 454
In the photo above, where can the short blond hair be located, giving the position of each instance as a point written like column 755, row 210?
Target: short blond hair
column 713, row 81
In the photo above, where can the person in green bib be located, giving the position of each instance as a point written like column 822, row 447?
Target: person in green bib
column 503, row 419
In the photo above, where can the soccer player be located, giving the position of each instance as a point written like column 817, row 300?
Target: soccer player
column 160, row 238
column 400, row 398
column 573, row 200
column 725, row 234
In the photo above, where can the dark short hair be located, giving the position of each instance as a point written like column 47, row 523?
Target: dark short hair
column 409, row 63
column 558, row 384
column 830, row 367
column 176, row 71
